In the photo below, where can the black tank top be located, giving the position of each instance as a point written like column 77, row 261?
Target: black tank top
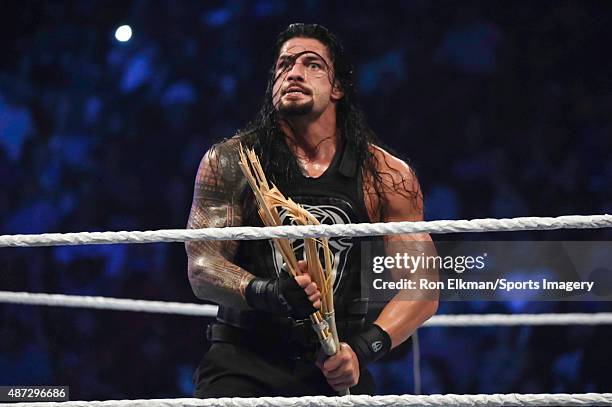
column 334, row 197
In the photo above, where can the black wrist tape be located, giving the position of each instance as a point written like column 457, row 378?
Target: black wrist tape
column 370, row 345
column 282, row 296
column 257, row 293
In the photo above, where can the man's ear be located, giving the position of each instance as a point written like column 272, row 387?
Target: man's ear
column 337, row 93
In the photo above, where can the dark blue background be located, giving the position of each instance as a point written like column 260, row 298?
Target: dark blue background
column 503, row 109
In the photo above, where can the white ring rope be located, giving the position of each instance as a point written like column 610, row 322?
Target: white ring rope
column 596, row 318
column 117, row 304
column 298, row 232
column 205, row 310
column 514, row 399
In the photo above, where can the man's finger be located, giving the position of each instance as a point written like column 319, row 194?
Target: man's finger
column 332, row 363
column 303, row 266
column 342, row 385
column 321, row 358
column 345, row 381
column 337, row 374
column 303, row 280
column 311, row 289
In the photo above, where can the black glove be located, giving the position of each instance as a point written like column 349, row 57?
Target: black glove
column 282, row 296
column 370, row 345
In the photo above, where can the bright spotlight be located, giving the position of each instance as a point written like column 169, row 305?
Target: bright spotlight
column 123, row 33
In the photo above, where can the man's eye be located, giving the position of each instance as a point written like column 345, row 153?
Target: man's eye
column 314, row 65
column 284, row 64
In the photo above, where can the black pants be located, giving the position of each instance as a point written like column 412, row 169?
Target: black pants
column 251, row 369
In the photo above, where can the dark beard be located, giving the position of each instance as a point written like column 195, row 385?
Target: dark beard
column 293, row 110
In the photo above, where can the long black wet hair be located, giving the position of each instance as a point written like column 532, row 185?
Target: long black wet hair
column 265, row 136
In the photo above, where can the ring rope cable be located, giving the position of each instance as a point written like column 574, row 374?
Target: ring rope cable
column 435, row 400
column 298, row 232
column 207, row 310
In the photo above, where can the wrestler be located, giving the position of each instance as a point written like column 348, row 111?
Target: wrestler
column 314, row 144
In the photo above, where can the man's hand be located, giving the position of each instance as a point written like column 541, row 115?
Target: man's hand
column 309, row 286
column 295, row 297
column 342, row 369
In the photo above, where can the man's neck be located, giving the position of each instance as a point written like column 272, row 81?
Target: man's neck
column 311, row 140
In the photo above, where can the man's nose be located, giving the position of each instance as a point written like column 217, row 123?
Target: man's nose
column 296, row 73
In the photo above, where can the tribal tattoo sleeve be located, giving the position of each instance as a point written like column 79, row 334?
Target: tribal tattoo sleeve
column 212, row 273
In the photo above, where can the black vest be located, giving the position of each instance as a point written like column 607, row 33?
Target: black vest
column 334, row 197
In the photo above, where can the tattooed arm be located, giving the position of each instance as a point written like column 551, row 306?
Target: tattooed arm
column 212, row 273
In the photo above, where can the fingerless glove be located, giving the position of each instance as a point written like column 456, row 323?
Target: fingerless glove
column 281, row 296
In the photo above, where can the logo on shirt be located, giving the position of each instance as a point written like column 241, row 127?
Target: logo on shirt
column 339, row 246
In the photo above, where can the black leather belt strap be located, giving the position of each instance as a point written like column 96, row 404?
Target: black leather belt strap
column 273, row 346
column 294, row 340
column 254, row 321
column 225, row 333
column 275, row 335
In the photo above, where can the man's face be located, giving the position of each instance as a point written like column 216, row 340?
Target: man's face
column 303, row 78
